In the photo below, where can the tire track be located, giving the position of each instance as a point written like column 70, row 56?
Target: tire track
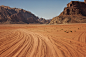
column 23, row 43
column 81, row 37
column 12, row 44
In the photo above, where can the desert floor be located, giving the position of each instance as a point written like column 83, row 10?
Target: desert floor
column 29, row 40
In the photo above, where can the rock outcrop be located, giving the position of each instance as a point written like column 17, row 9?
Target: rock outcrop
column 75, row 12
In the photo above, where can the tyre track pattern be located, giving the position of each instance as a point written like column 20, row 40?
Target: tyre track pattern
column 22, row 43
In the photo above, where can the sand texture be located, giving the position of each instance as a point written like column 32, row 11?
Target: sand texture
column 43, row 40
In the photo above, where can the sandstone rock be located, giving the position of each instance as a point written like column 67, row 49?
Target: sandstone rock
column 75, row 12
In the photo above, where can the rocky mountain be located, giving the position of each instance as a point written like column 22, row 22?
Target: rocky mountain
column 44, row 21
column 10, row 15
column 75, row 12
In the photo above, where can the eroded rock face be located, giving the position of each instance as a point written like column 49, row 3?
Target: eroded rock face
column 16, row 15
column 75, row 12
column 75, row 8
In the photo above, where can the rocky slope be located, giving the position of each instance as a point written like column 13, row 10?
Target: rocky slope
column 17, row 16
column 75, row 12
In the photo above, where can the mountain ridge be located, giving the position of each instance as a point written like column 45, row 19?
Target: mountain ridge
column 10, row 15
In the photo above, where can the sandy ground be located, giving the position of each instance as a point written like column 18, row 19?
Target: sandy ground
column 24, row 40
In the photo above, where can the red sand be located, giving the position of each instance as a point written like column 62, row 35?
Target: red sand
column 43, row 40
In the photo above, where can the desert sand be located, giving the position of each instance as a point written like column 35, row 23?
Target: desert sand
column 23, row 40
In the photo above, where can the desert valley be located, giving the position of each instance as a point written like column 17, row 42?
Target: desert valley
column 22, row 34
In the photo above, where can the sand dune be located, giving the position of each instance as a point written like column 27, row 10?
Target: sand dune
column 21, row 42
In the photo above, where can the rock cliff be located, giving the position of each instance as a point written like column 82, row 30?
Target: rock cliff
column 75, row 12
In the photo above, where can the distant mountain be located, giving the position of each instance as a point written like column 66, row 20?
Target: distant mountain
column 44, row 21
column 10, row 15
column 75, row 12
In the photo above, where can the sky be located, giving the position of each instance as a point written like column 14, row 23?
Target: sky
column 42, row 8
